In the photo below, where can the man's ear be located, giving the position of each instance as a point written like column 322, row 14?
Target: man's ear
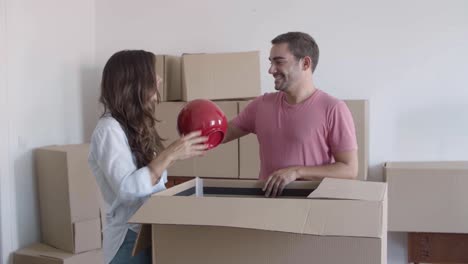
column 306, row 63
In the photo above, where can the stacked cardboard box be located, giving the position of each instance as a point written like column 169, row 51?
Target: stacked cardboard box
column 429, row 200
column 427, row 196
column 220, row 76
column 169, row 69
column 69, row 208
column 224, row 78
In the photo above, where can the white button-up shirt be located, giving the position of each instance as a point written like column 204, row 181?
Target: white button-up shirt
column 124, row 188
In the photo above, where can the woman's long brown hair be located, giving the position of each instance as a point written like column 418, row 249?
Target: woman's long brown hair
column 128, row 85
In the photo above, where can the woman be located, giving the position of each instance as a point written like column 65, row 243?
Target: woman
column 127, row 156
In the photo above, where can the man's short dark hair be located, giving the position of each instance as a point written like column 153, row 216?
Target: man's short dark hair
column 300, row 44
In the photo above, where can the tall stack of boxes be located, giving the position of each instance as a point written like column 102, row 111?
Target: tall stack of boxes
column 225, row 78
column 69, row 209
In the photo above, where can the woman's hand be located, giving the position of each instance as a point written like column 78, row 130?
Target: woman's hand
column 190, row 145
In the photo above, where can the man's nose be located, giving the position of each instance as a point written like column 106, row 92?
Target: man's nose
column 272, row 69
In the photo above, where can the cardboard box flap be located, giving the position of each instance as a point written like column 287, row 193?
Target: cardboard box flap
column 54, row 199
column 66, row 148
column 87, row 235
column 82, row 186
column 143, row 240
column 301, row 216
column 350, row 190
column 44, row 254
column 239, row 183
column 345, row 218
column 44, row 251
column 225, row 211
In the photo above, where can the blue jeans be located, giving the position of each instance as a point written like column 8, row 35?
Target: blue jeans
column 124, row 255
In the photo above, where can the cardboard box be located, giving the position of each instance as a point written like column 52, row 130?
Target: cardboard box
column 437, row 248
column 68, row 198
column 427, row 196
column 43, row 254
column 230, row 221
column 221, row 75
column 221, row 162
column 169, row 69
column 249, row 155
column 360, row 111
column 249, row 152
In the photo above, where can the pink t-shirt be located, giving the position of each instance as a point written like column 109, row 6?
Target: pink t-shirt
column 304, row 134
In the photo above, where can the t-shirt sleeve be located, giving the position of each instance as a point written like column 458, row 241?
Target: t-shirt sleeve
column 246, row 119
column 342, row 135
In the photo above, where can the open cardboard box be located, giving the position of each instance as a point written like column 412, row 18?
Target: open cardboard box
column 230, row 221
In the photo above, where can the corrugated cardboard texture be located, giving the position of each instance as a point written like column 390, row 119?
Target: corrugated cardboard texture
column 221, row 76
column 169, row 69
column 68, row 195
column 437, row 248
column 202, row 244
column 43, row 254
column 87, row 234
column 427, row 196
column 268, row 230
column 220, row 162
column 363, row 218
column 349, row 189
column 249, row 159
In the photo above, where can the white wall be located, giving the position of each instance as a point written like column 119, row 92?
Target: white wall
column 409, row 58
column 47, row 67
column 3, row 126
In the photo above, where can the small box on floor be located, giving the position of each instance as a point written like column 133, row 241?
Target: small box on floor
column 68, row 198
column 43, row 254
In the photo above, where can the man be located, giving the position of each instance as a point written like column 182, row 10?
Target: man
column 303, row 132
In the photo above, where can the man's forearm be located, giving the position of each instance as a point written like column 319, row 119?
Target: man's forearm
column 335, row 170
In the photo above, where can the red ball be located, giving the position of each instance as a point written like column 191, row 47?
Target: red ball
column 204, row 115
